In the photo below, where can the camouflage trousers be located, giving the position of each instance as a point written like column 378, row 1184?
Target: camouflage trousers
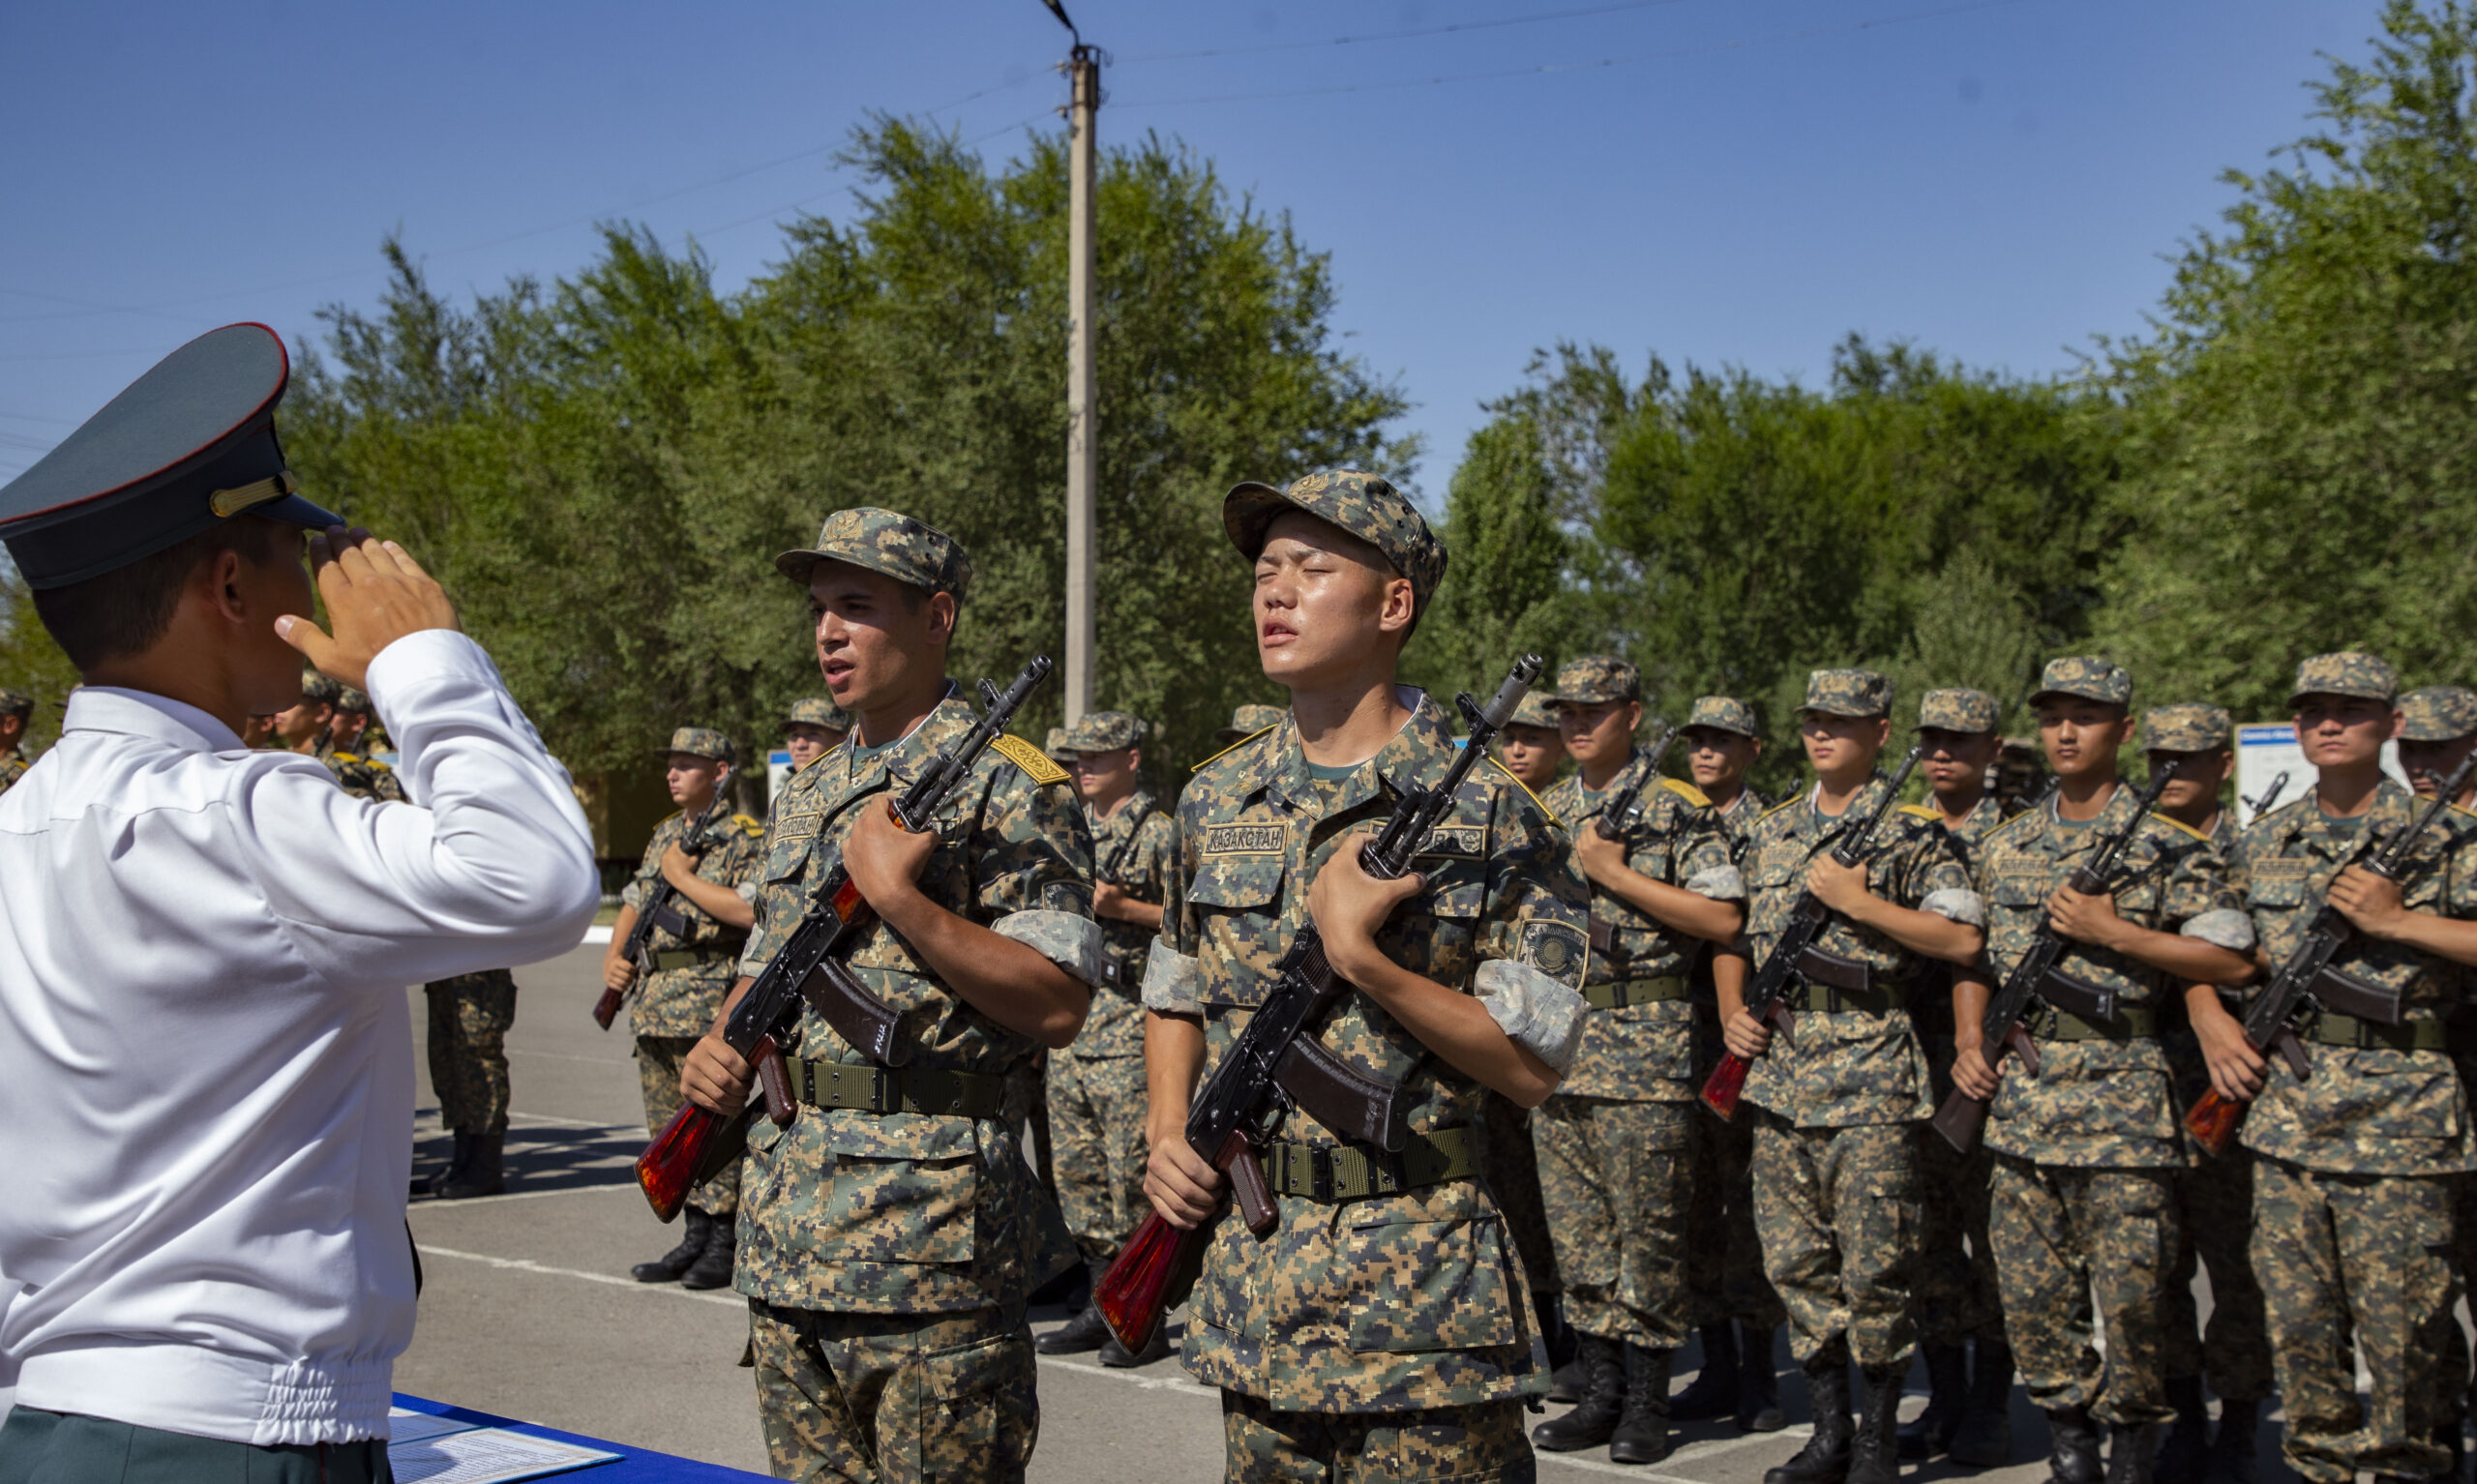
column 659, row 1059
column 1837, row 1209
column 1957, row 1298
column 1723, row 1259
column 1483, row 1445
column 470, row 1016
column 1510, row 1164
column 2363, row 1257
column 1096, row 1110
column 2215, row 1199
column 2060, row 1232
column 1614, row 1179
column 894, row 1397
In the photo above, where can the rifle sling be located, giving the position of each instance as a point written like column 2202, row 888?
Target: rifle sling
column 2347, row 1031
column 1330, row 1173
column 873, row 1089
column 2132, row 1023
column 1635, row 992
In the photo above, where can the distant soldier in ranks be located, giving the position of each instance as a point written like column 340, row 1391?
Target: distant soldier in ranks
column 2356, row 1166
column 2215, row 1196
column 2019, row 779
column 696, row 946
column 362, row 776
column 1969, row 1390
column 1735, row 1310
column 1247, row 722
column 1382, row 1331
column 16, row 708
column 1531, row 748
column 892, row 1235
column 1836, row 1157
column 1613, row 1163
column 813, row 727
column 1097, row 1092
column 2087, row 1150
column 470, row 1017
column 302, row 726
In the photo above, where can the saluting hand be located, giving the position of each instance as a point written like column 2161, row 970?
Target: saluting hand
column 375, row 594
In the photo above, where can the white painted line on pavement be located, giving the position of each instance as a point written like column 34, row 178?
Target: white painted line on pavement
column 527, row 1265
column 600, row 1061
column 1177, row 1381
column 1690, row 1454
column 599, row 933
column 517, row 1195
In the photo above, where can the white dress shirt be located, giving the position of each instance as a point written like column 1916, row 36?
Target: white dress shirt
column 206, row 1078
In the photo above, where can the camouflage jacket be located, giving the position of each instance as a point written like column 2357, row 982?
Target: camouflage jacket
column 1645, row 1054
column 1391, row 1302
column 1931, row 993
column 12, row 768
column 683, row 1001
column 2375, row 1111
column 1115, row 1027
column 1737, row 822
column 364, row 778
column 2100, row 1104
column 1851, row 1067
column 916, row 1213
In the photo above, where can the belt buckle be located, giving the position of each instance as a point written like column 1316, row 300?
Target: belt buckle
column 1320, row 1175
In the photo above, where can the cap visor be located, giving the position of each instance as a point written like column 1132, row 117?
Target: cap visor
column 294, row 509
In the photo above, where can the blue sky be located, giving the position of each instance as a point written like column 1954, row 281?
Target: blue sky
column 1745, row 181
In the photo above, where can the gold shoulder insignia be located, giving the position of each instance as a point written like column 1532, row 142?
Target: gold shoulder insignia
column 1922, row 812
column 2181, row 827
column 1525, row 792
column 2462, row 809
column 349, row 757
column 1798, row 798
column 1031, row 760
column 1231, row 747
column 1686, row 791
column 748, row 826
column 2027, row 814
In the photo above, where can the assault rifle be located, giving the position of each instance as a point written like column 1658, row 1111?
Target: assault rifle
column 2307, row 985
column 696, row 1145
column 1618, row 818
column 656, row 912
column 1794, row 955
column 2268, row 796
column 2037, row 980
column 1113, row 870
column 1259, row 1080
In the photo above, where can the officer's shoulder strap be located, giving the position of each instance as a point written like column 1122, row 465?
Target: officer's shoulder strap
column 1791, row 802
column 1686, row 791
column 2180, row 827
column 1235, row 746
column 1525, row 792
column 1922, row 812
column 2462, row 809
column 2027, row 814
column 1031, row 760
column 749, row 825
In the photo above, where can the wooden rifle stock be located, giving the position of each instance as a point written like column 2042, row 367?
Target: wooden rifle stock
column 1152, row 1274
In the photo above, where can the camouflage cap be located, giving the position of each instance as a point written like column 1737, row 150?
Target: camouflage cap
column 1532, row 712
column 1104, row 731
column 884, row 542
column 16, row 703
column 818, row 711
column 315, row 687
column 2348, row 673
column 1598, row 677
column 1053, row 746
column 1724, row 713
column 2087, row 676
column 1247, row 720
column 1849, row 693
column 2190, row 727
column 703, row 742
column 350, row 700
column 1957, row 708
column 2438, row 713
column 1363, row 504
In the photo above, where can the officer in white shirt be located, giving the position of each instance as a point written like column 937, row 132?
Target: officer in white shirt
column 207, row 1079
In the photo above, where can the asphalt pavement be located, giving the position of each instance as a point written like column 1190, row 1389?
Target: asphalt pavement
column 528, row 1310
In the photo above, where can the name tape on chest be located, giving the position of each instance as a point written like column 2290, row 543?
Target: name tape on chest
column 1246, row 839
column 1460, row 844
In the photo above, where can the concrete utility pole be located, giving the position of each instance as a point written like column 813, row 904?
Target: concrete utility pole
column 1082, row 446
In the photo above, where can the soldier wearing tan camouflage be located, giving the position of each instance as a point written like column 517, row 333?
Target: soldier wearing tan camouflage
column 813, row 727
column 362, row 776
column 16, row 708
column 2087, row 1150
column 1382, row 1332
column 1531, row 748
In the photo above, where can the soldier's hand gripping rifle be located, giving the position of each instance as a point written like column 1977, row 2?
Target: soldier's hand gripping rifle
column 695, row 1145
column 2036, row 979
column 1794, row 954
column 656, row 912
column 2306, row 984
column 1618, row 818
column 1244, row 1102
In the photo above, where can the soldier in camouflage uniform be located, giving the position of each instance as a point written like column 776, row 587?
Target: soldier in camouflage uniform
column 2087, row 1149
column 1530, row 747
column 16, row 708
column 1244, row 723
column 811, row 728
column 1969, row 1365
column 695, row 943
column 891, row 1237
column 2356, row 1167
column 1382, row 1331
column 1613, row 1164
column 1735, row 1311
column 2215, row 1196
column 362, row 776
column 1836, row 1157
column 1096, row 1093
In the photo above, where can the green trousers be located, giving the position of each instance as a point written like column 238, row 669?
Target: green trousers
column 50, row 1447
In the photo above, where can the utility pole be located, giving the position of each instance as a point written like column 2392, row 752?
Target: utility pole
column 1082, row 445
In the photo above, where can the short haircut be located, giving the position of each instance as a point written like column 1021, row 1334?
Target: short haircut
column 126, row 610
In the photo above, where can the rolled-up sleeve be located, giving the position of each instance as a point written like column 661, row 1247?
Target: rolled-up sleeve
column 1537, row 1013
column 1073, row 943
column 1171, row 984
column 1957, row 904
column 2223, row 928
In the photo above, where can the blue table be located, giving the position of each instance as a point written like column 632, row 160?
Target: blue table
column 636, row 1465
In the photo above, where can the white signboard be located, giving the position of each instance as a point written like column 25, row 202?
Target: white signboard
column 778, row 768
column 2267, row 753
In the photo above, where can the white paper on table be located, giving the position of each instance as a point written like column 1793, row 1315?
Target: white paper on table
column 489, row 1455
column 406, row 1425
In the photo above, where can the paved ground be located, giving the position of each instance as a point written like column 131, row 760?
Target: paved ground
column 528, row 1309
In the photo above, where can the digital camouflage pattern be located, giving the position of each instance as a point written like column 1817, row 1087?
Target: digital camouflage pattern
column 1954, row 1277
column 1247, row 720
column 12, row 767
column 365, row 778
column 2089, row 677
column 1837, row 1212
column 1957, row 708
column 683, row 1001
column 888, row 543
column 818, row 711
column 1509, row 1163
column 1724, row 1256
column 1054, row 747
column 470, row 1016
column 1848, row 692
column 1104, row 731
column 1533, row 711
column 1363, row 504
column 16, row 703
column 2438, row 713
column 659, row 1059
column 2061, row 1232
column 916, row 1213
column 1114, row 1027
column 2347, row 673
column 1724, row 713
column 1391, row 1303
column 2186, row 729
column 701, row 742
column 1479, row 1444
column 1598, row 677
column 872, row 1399
column 319, row 690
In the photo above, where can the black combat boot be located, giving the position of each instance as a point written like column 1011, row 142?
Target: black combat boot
column 1825, row 1459
column 2184, row 1452
column 1758, row 1385
column 1713, row 1390
column 1874, row 1450
column 1947, row 1400
column 1556, row 1336
column 1985, row 1438
column 2073, row 1447
column 2448, row 1438
column 2231, row 1443
column 482, row 1174
column 667, row 1267
column 1088, row 1330
column 1118, row 1357
column 1565, row 1381
column 1642, row 1429
column 2129, row 1454
column 428, row 1184
column 713, row 1269
column 1603, row 1400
